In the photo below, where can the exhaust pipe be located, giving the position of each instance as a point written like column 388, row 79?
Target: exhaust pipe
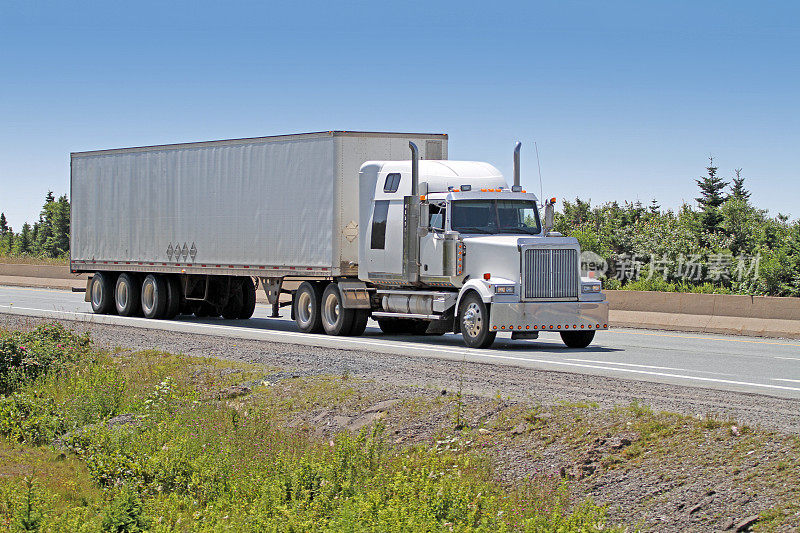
column 412, row 223
column 414, row 169
column 517, row 187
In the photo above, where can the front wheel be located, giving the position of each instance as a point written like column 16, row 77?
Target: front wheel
column 577, row 339
column 474, row 321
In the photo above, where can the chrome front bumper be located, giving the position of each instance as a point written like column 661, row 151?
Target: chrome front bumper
column 548, row 316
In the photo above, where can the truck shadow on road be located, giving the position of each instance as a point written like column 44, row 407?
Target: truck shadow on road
column 547, row 344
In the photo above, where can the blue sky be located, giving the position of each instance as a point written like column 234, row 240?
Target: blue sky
column 626, row 100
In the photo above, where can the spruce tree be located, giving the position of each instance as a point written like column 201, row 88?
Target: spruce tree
column 737, row 189
column 23, row 243
column 711, row 197
column 654, row 206
column 3, row 224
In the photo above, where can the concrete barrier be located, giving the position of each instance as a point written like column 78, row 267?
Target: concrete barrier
column 38, row 271
column 766, row 316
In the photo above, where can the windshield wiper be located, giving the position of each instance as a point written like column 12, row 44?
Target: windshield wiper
column 526, row 231
column 472, row 229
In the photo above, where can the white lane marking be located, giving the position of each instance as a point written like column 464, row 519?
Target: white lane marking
column 787, row 358
column 724, row 339
column 783, row 379
column 650, row 366
column 348, row 343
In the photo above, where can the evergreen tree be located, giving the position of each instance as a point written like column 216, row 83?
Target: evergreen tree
column 711, row 197
column 737, row 189
column 3, row 224
column 23, row 243
column 654, row 207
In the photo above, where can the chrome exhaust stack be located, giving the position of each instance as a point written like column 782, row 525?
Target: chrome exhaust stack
column 516, row 187
column 414, row 169
column 412, row 223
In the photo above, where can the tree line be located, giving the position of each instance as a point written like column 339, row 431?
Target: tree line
column 46, row 238
column 725, row 244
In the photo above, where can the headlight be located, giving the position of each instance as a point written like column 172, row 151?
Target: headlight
column 504, row 289
column 589, row 288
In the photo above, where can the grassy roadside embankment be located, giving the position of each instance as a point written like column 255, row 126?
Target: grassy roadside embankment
column 163, row 442
column 147, row 440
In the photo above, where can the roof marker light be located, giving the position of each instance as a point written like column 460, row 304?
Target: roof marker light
column 487, row 276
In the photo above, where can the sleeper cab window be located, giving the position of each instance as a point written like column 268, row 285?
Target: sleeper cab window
column 378, row 239
column 392, row 182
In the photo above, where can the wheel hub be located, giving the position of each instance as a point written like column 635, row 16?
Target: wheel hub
column 473, row 321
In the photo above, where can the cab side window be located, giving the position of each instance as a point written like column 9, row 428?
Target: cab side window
column 437, row 214
column 392, row 182
column 378, row 238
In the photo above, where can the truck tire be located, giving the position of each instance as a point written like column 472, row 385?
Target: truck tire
column 127, row 294
column 102, row 295
column 336, row 320
column 360, row 318
column 473, row 318
column 577, row 339
column 307, row 303
column 154, row 296
column 248, row 298
column 235, row 303
column 174, row 297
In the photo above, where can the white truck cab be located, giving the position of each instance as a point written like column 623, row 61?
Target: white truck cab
column 449, row 246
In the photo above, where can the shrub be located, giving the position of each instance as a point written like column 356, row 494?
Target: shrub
column 31, row 419
column 24, row 356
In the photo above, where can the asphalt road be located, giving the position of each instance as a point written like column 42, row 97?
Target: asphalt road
column 731, row 363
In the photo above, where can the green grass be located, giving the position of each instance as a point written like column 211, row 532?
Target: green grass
column 32, row 260
column 190, row 460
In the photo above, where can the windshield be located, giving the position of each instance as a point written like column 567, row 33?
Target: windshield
column 495, row 216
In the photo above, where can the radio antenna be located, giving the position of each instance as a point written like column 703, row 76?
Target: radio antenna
column 540, row 170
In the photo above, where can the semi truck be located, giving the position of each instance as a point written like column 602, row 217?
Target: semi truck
column 360, row 224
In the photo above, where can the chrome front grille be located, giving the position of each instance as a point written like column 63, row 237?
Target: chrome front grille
column 550, row 273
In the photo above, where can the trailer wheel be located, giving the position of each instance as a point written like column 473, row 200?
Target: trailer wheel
column 307, row 303
column 359, row 322
column 173, row 297
column 577, row 339
column 474, row 321
column 102, row 296
column 127, row 295
column 154, row 296
column 235, row 303
column 335, row 318
column 248, row 297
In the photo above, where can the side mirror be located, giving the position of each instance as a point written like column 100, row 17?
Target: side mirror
column 424, row 217
column 549, row 215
